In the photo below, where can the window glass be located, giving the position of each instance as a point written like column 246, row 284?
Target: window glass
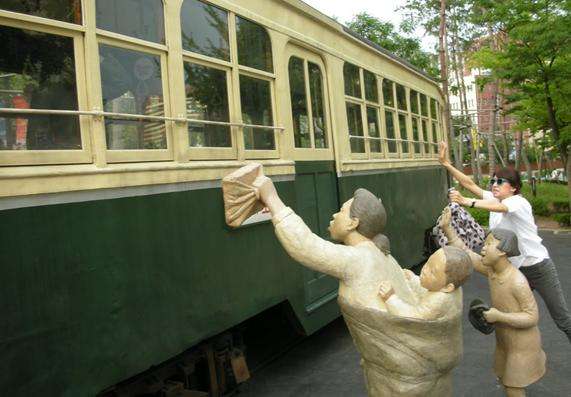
column 424, row 105
column 425, row 134
column 142, row 19
column 299, row 113
column 388, row 93
column 401, row 97
column 37, row 71
column 374, row 132
column 256, row 109
column 390, row 124
column 403, row 134
column 131, row 83
column 416, row 134
column 204, row 29
column 352, row 80
column 207, row 99
column 254, row 45
column 414, row 101
column 355, row 123
column 317, row 105
column 433, row 108
column 62, row 10
column 371, row 92
column 433, row 136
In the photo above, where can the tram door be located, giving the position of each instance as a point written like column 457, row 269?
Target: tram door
column 315, row 180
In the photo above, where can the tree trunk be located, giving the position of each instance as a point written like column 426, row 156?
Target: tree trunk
column 475, row 169
column 444, row 78
column 518, row 146
column 526, row 162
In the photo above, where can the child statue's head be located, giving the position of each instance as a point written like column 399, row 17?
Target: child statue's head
column 446, row 269
column 499, row 243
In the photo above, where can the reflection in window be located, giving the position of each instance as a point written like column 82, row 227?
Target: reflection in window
column 401, row 97
column 204, row 29
column 299, row 113
column 390, row 124
column 142, row 19
column 317, row 106
column 403, row 133
column 374, row 132
column 433, row 137
column 371, row 93
column 414, row 101
column 256, row 109
column 388, row 95
column 355, row 124
column 425, row 133
column 415, row 134
column 37, row 71
column 352, row 80
column 433, row 108
column 424, row 105
column 61, row 10
column 207, row 99
column 254, row 45
column 131, row 83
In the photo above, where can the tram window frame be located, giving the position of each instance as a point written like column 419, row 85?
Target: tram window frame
column 306, row 60
column 58, row 156
column 393, row 110
column 415, row 113
column 365, row 104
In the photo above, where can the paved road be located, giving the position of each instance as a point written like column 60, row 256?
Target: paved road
column 327, row 364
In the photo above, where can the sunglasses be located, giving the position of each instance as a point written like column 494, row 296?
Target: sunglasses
column 499, row 181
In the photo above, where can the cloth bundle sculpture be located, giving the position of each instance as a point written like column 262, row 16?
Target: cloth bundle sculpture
column 398, row 332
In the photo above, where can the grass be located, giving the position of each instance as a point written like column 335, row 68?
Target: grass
column 552, row 201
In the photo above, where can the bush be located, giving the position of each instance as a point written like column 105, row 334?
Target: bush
column 560, row 205
column 539, row 206
column 481, row 216
column 563, row 219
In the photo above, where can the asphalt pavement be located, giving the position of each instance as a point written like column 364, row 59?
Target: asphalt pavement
column 326, row 364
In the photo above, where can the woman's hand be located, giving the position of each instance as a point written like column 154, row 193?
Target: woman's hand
column 456, row 197
column 443, row 153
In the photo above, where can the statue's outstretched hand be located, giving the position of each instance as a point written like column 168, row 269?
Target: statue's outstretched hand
column 386, row 290
column 443, row 153
column 445, row 218
column 268, row 194
column 492, row 315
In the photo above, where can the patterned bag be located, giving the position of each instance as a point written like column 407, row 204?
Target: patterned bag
column 466, row 227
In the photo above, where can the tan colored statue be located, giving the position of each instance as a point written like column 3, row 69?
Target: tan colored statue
column 400, row 356
column 519, row 358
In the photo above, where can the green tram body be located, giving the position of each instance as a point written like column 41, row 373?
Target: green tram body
column 106, row 278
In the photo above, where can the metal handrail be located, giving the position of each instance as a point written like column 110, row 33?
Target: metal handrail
column 389, row 139
column 99, row 113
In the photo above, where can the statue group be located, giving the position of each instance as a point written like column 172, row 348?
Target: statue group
column 407, row 328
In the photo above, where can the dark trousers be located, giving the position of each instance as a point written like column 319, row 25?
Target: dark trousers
column 543, row 277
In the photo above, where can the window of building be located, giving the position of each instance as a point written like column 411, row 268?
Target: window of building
column 65, row 11
column 355, row 124
column 254, row 45
column 308, row 118
column 388, row 93
column 140, row 19
column 205, row 29
column 433, row 108
column 425, row 134
column 403, row 129
column 256, row 104
column 414, row 107
column 416, row 135
column 401, row 97
column 390, row 128
column 374, row 130
column 371, row 90
column 352, row 80
column 424, row 105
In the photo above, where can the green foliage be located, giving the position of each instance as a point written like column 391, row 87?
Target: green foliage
column 398, row 42
column 539, row 206
column 481, row 216
column 563, row 219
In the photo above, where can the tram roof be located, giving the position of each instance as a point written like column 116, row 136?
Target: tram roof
column 303, row 6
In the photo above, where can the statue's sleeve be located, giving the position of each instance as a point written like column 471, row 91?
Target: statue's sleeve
column 528, row 316
column 430, row 307
column 311, row 250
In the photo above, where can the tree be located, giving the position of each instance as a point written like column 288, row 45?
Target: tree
column 400, row 43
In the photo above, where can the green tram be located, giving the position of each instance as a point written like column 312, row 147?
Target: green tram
column 118, row 119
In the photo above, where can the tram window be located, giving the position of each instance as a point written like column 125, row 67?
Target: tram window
column 299, row 103
column 425, row 133
column 371, row 92
column 388, row 95
column 415, row 134
column 414, row 102
column 207, row 99
column 254, row 45
column 352, row 80
column 390, row 124
column 204, row 29
column 131, row 83
column 37, row 72
column 256, row 109
column 424, row 105
column 355, row 123
column 403, row 133
column 434, row 136
column 65, row 11
column 142, row 19
column 374, row 131
column 401, row 97
column 317, row 105
column 433, row 108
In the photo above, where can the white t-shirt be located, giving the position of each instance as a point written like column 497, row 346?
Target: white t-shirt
column 519, row 219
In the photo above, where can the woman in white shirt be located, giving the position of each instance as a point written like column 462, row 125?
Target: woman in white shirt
column 510, row 210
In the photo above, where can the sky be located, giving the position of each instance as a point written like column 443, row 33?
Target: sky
column 344, row 10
